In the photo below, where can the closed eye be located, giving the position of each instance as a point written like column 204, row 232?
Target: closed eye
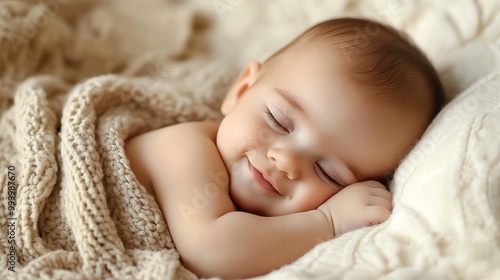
column 325, row 177
column 275, row 123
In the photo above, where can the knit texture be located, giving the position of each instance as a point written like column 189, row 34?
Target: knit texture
column 79, row 211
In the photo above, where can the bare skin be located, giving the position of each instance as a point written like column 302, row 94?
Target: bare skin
column 290, row 165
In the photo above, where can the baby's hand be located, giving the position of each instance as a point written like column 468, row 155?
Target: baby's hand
column 358, row 205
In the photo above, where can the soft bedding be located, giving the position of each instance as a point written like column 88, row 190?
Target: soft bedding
column 77, row 78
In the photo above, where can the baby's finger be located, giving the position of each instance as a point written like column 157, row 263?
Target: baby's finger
column 380, row 201
column 374, row 184
column 381, row 193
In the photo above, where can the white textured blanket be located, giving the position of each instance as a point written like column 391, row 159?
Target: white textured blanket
column 74, row 209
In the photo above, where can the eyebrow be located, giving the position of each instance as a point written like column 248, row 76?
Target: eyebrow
column 289, row 99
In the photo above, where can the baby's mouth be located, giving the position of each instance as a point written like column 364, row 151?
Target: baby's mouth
column 259, row 178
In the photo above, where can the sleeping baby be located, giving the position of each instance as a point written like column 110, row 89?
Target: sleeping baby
column 306, row 142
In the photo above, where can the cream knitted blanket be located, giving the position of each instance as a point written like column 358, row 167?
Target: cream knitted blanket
column 71, row 208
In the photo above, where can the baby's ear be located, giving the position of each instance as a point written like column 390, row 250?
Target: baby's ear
column 245, row 80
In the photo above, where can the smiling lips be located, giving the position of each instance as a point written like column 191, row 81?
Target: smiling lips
column 257, row 176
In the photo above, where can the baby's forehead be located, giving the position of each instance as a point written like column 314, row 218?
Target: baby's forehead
column 310, row 58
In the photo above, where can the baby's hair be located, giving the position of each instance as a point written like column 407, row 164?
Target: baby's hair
column 378, row 56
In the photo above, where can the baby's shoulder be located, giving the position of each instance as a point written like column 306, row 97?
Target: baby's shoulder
column 196, row 129
column 171, row 146
column 186, row 155
column 188, row 141
column 188, row 132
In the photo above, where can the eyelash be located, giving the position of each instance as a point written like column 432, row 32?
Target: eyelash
column 275, row 122
column 327, row 177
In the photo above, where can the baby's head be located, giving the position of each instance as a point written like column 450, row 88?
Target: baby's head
column 342, row 103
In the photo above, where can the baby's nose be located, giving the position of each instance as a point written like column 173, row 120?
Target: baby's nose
column 285, row 161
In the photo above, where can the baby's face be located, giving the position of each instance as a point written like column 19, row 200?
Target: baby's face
column 304, row 131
